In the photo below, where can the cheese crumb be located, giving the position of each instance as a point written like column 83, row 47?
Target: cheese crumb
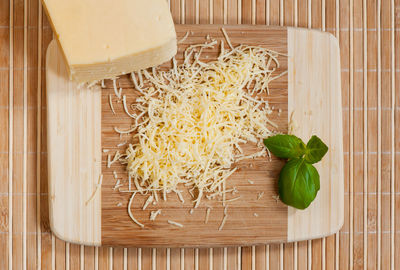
column 276, row 198
column 108, row 161
column 154, row 214
column 121, row 144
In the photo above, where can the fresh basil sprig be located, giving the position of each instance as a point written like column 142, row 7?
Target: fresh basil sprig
column 298, row 179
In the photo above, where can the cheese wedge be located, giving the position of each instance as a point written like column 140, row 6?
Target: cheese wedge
column 103, row 38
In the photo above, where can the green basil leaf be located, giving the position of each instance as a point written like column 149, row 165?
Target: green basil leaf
column 316, row 150
column 298, row 183
column 285, row 146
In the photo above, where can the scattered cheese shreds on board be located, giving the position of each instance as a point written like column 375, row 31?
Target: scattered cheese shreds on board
column 117, row 185
column 154, row 214
column 191, row 119
column 110, row 161
column 148, row 201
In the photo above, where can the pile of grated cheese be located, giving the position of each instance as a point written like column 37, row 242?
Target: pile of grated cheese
column 192, row 119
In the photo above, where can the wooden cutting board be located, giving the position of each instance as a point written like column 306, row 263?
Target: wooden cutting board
column 80, row 125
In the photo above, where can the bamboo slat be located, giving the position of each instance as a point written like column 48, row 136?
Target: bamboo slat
column 371, row 127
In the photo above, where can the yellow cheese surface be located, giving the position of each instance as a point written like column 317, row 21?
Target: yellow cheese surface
column 103, row 38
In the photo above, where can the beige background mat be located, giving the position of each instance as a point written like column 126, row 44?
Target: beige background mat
column 369, row 37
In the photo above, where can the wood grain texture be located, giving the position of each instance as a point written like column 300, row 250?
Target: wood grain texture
column 118, row 228
column 315, row 108
column 74, row 158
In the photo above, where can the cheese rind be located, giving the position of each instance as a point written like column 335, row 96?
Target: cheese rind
column 103, row 39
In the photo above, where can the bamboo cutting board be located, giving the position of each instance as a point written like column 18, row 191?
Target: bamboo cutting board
column 80, row 125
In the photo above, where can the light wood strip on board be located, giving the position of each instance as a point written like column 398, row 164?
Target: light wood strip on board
column 334, row 158
column 89, row 199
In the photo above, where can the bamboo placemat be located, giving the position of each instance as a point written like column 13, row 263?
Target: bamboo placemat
column 369, row 36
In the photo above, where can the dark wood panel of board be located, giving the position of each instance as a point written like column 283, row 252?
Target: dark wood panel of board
column 250, row 221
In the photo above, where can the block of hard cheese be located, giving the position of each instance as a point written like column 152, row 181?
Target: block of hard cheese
column 103, row 39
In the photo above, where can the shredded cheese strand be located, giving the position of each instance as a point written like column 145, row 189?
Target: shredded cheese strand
column 116, row 91
column 175, row 223
column 111, row 104
column 184, row 37
column 95, row 191
column 207, row 215
column 148, row 201
column 130, row 212
column 227, row 38
column 223, row 222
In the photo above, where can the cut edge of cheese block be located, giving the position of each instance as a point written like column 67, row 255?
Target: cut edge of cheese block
column 134, row 62
column 109, row 69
